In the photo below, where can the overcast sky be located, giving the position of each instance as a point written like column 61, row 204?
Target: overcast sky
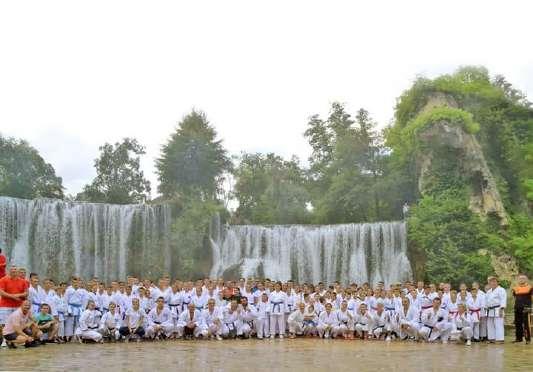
column 74, row 74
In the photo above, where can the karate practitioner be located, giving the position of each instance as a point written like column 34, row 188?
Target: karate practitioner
column 496, row 301
column 160, row 322
column 190, row 323
column 435, row 323
column 88, row 324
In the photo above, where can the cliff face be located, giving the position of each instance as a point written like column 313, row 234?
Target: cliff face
column 485, row 199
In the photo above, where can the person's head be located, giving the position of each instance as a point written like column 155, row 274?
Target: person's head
column 493, row 282
column 362, row 308
column 91, row 305
column 75, row 281
column 13, row 272
column 379, row 307
column 475, row 285
column 244, row 301
column 461, row 308
column 112, row 307
column 160, row 302
column 233, row 305
column 301, row 306
column 522, row 279
column 328, row 307
column 405, row 302
column 25, row 307
column 344, row 305
column 474, row 291
column 191, row 307
column 22, row 272
column 135, row 303
column 45, row 309
column 436, row 303
column 211, row 304
column 453, row 295
column 420, row 285
column 264, row 297
column 277, row 286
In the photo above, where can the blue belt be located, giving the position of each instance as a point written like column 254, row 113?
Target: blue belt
column 276, row 304
column 199, row 307
column 390, row 308
column 75, row 305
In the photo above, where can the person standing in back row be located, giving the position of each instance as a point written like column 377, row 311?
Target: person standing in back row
column 522, row 308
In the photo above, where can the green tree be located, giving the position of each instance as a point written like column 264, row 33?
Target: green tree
column 24, row 173
column 119, row 179
column 348, row 167
column 270, row 190
column 193, row 160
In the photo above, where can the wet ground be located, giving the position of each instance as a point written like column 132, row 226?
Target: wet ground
column 255, row 355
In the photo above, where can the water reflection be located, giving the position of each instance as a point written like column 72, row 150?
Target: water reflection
column 253, row 355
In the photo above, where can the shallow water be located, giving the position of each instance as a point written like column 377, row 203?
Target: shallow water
column 255, row 355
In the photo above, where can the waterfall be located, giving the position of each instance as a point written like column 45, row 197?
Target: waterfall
column 58, row 238
column 368, row 252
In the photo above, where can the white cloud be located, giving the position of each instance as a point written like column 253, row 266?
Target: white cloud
column 91, row 72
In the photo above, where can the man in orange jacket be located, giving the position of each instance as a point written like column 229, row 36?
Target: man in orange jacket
column 522, row 309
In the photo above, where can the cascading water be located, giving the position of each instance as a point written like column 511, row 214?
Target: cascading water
column 57, row 238
column 368, row 252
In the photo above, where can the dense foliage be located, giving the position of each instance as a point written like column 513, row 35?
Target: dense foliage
column 193, row 161
column 24, row 173
column 119, row 179
column 456, row 243
column 270, row 190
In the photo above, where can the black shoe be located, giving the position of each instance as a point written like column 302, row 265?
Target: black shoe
column 527, row 342
column 11, row 345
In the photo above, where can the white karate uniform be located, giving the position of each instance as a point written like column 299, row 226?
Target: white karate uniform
column 110, row 324
column 410, row 319
column 345, row 320
column 213, row 321
column 363, row 322
column 88, row 325
column 278, row 302
column 262, row 320
column 76, row 302
column 475, row 309
column 327, row 324
column 163, row 319
column 435, row 324
column 310, row 322
column 296, row 322
column 36, row 296
column 245, row 321
column 229, row 323
column 185, row 318
column 462, row 326
column 495, row 300
column 174, row 304
column 380, row 323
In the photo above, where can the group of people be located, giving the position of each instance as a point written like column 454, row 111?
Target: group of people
column 35, row 311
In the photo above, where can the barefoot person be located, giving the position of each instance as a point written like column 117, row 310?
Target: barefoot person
column 496, row 301
column 88, row 324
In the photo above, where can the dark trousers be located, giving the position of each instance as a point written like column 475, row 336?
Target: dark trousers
column 125, row 331
column 521, row 322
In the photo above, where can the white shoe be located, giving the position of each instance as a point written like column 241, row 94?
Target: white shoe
column 468, row 342
column 4, row 343
column 280, row 337
column 259, row 337
column 444, row 341
column 388, row 338
column 272, row 337
column 219, row 338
